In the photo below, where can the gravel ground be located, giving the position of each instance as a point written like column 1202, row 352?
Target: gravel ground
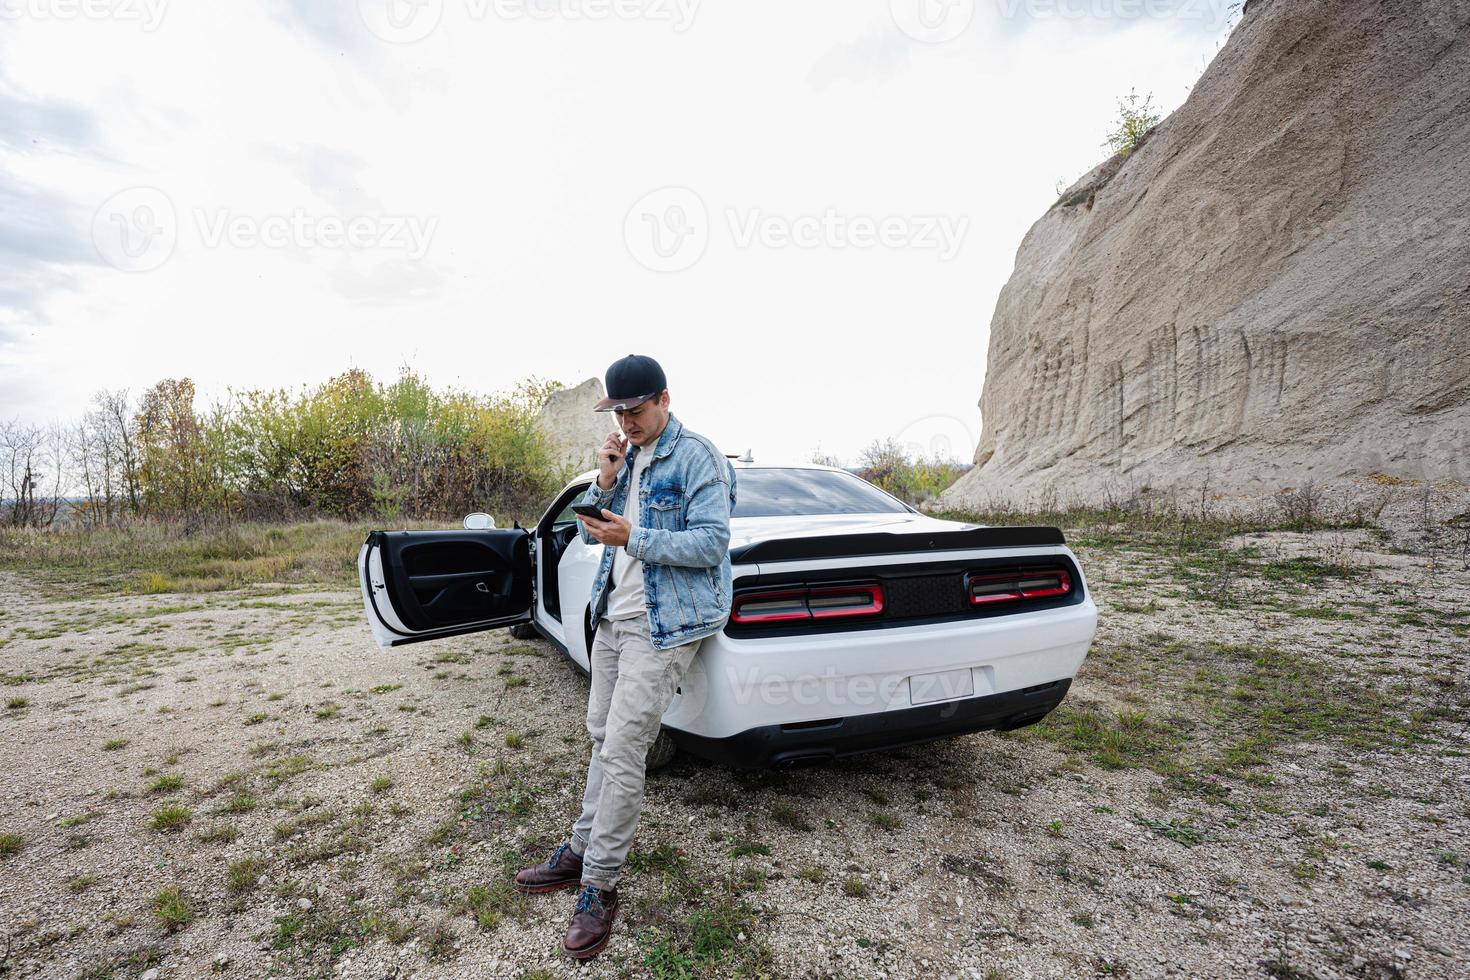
column 327, row 808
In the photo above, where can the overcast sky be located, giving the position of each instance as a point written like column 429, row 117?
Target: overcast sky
column 803, row 210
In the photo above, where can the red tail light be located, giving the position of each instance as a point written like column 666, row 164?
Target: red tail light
column 985, row 588
column 770, row 607
column 827, row 602
column 844, row 600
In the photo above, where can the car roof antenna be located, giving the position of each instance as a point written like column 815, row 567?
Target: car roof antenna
column 747, row 458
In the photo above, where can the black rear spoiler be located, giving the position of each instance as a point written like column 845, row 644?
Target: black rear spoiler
column 889, row 543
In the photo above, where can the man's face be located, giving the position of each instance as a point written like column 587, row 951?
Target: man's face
column 643, row 423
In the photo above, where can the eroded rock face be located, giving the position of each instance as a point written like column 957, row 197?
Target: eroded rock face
column 1273, row 288
column 574, row 429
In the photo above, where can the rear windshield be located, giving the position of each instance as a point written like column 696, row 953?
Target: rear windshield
column 789, row 493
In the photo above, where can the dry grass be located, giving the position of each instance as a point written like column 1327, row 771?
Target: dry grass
column 150, row 559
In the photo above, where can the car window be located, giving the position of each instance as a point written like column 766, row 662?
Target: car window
column 775, row 492
column 566, row 515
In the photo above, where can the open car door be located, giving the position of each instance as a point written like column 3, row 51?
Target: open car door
column 423, row 585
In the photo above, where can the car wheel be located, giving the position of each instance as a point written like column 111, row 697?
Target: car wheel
column 524, row 631
column 661, row 752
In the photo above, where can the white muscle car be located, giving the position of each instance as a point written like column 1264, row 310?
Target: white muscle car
column 857, row 623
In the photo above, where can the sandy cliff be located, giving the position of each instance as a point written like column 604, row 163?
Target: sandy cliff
column 573, row 429
column 1274, row 287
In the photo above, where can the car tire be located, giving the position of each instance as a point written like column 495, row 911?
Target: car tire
column 524, row 631
column 661, row 752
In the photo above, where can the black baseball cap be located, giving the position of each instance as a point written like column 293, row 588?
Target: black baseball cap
column 632, row 380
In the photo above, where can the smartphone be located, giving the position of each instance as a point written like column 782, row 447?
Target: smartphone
column 587, row 510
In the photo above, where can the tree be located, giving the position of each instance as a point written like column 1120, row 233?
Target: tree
column 31, row 463
column 180, row 471
column 103, row 454
column 112, row 417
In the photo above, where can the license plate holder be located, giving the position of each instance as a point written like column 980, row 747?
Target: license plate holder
column 941, row 685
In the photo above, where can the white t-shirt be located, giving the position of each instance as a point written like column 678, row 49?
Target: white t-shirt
column 626, row 598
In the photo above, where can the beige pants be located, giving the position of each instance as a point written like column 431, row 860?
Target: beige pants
column 632, row 686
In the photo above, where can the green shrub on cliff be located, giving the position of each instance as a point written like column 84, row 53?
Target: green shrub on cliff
column 1135, row 119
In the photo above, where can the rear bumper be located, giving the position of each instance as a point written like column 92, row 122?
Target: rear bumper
column 816, row 741
column 778, row 683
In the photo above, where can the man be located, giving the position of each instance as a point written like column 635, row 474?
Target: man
column 665, row 494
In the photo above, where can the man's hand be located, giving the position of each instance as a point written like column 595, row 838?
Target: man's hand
column 614, row 530
column 610, row 459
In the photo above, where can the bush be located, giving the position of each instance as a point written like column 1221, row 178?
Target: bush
column 912, row 480
column 350, row 448
column 1135, row 119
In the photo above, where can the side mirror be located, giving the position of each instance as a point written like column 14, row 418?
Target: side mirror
column 478, row 522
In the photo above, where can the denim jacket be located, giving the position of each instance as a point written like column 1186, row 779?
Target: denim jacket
column 682, row 537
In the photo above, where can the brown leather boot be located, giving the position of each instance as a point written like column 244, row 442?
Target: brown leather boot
column 562, row 870
column 591, row 922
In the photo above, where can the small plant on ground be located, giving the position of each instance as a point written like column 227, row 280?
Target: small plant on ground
column 885, row 820
column 1181, row 830
column 171, row 817
column 240, row 802
column 439, row 940
column 166, row 784
column 243, row 875
column 219, row 833
column 788, row 816
column 171, row 908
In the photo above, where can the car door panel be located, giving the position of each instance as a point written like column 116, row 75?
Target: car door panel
column 558, row 616
column 577, row 569
column 422, row 585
